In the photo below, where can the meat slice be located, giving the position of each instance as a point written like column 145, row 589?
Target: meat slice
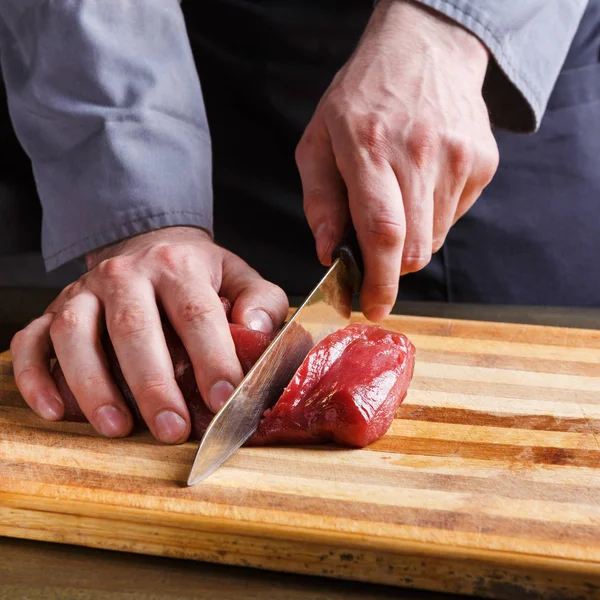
column 347, row 390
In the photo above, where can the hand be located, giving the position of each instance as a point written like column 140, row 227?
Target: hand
column 179, row 268
column 401, row 143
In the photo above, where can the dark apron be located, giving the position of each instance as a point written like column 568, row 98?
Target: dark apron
column 532, row 238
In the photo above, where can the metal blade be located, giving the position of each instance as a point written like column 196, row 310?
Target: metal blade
column 327, row 309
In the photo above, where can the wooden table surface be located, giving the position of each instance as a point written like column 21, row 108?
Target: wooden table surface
column 41, row 570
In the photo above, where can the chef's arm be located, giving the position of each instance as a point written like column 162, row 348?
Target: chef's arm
column 105, row 99
column 401, row 142
column 528, row 41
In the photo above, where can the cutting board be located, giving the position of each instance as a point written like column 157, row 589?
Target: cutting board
column 487, row 483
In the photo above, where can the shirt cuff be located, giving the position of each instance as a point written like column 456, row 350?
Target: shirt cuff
column 129, row 178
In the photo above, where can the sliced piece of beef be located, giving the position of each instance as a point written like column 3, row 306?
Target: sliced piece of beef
column 346, row 390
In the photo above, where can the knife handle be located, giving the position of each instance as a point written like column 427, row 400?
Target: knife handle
column 348, row 250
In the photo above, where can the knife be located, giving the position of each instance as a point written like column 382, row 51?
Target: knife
column 325, row 310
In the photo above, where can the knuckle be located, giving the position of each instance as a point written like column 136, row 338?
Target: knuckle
column 30, row 336
column 276, row 298
column 173, row 258
column 373, row 137
column 423, row 144
column 115, row 269
column 26, row 376
column 65, row 322
column 129, row 321
column 415, row 259
column 383, row 233
column 89, row 385
column 385, row 292
column 437, row 244
column 194, row 310
column 462, row 156
column 152, row 386
column 335, row 107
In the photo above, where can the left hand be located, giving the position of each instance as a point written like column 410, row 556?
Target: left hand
column 401, row 142
column 178, row 271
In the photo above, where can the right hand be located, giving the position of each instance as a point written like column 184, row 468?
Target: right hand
column 400, row 143
column 184, row 271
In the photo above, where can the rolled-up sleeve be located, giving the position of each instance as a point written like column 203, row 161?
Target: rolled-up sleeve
column 105, row 99
column 528, row 41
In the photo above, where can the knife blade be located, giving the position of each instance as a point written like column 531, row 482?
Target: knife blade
column 327, row 309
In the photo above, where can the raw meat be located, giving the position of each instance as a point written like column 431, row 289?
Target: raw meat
column 346, row 390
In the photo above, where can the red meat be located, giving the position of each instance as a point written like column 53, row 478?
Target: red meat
column 346, row 390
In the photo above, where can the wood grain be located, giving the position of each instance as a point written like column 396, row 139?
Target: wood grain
column 487, row 483
column 39, row 571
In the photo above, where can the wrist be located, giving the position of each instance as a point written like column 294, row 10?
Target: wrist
column 147, row 239
column 436, row 33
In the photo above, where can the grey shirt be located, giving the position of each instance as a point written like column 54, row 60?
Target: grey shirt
column 105, row 99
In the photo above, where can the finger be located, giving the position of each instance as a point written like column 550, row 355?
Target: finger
column 456, row 179
column 257, row 303
column 72, row 290
column 75, row 333
column 196, row 313
column 417, row 195
column 446, row 199
column 479, row 177
column 31, row 351
column 378, row 216
column 324, row 193
column 135, row 329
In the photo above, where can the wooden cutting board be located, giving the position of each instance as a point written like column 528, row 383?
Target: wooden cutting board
column 488, row 482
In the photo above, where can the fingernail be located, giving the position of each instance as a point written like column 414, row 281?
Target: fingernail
column 259, row 320
column 49, row 408
column 323, row 242
column 111, row 421
column 170, row 427
column 219, row 394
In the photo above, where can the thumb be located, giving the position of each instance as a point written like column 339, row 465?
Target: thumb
column 324, row 192
column 257, row 303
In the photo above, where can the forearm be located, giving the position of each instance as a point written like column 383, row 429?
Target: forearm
column 528, row 42
column 454, row 42
column 106, row 101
